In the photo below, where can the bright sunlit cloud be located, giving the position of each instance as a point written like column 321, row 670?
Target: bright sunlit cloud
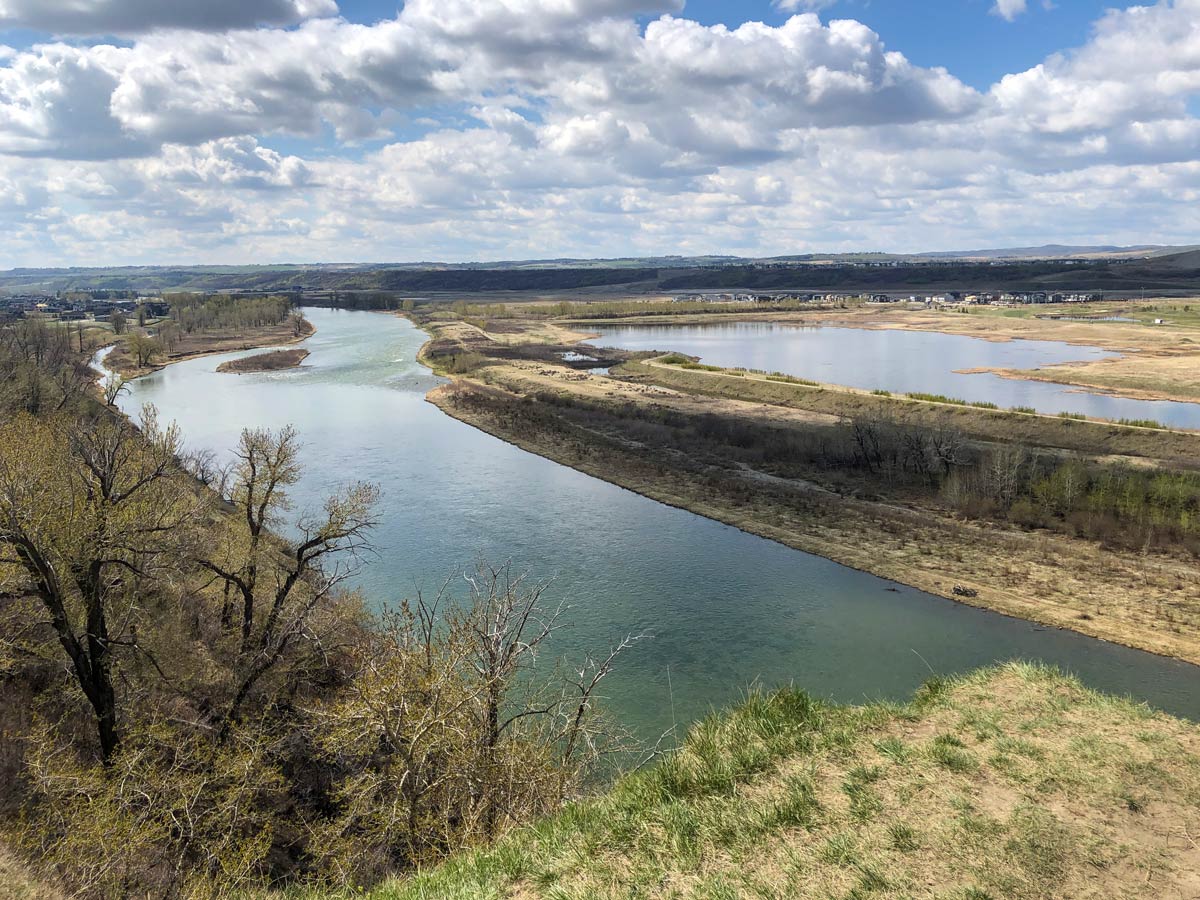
column 481, row 129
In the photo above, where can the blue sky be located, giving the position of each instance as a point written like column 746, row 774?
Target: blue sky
column 257, row 130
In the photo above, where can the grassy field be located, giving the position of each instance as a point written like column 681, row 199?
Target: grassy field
column 16, row 883
column 1153, row 378
column 1013, row 783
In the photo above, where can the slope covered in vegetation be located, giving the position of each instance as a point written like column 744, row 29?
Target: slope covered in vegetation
column 1013, row 782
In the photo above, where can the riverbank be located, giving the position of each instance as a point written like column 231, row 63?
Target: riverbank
column 1011, row 782
column 209, row 344
column 265, row 362
column 1136, row 377
column 643, row 430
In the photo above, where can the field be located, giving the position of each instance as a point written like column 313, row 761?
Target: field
column 1012, row 783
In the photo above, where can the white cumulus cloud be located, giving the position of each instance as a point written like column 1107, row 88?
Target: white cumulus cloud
column 1009, row 9
column 540, row 127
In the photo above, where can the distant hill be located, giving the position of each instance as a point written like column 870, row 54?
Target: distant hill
column 1052, row 251
column 1051, row 267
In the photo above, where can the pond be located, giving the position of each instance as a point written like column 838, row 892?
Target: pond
column 901, row 362
column 721, row 609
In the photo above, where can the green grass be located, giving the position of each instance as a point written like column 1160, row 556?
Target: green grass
column 1012, row 782
column 686, row 362
column 935, row 398
column 1141, row 423
column 791, row 379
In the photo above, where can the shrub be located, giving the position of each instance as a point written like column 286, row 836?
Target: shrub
column 791, row 379
column 935, row 398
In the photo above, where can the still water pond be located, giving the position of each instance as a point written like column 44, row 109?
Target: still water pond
column 723, row 608
column 901, row 362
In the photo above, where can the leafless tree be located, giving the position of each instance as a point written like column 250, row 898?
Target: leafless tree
column 301, row 576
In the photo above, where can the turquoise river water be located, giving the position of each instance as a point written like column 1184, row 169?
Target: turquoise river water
column 722, row 609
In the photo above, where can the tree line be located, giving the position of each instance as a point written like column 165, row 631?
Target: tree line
column 227, row 312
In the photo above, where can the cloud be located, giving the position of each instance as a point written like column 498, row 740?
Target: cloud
column 724, row 94
column 1009, row 9
column 129, row 17
column 56, row 103
column 1142, row 64
column 539, row 127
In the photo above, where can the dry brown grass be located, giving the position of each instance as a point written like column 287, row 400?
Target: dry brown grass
column 1175, row 377
column 16, row 882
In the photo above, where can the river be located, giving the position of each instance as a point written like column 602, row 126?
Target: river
column 901, row 362
column 722, row 609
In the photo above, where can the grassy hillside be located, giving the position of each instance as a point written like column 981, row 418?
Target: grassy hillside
column 1013, row 782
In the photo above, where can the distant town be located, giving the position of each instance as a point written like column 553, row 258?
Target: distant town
column 948, row 298
column 78, row 306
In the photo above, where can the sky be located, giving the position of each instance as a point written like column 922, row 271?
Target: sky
column 263, row 131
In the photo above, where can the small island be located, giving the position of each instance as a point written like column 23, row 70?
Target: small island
column 265, row 362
